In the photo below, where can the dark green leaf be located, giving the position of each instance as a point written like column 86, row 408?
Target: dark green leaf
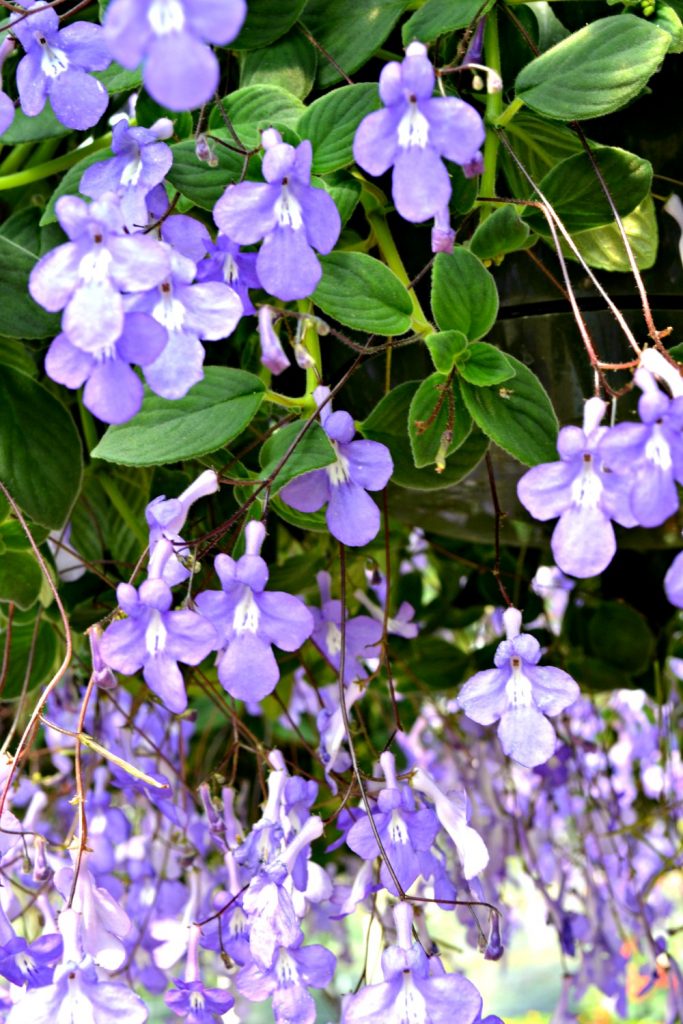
column 256, row 107
column 211, row 414
column 267, row 20
column 464, row 295
column 32, row 129
column 616, row 55
column 349, row 31
column 68, row 186
column 575, row 193
column 345, row 190
column 14, row 353
column 445, row 347
column 40, row 450
column 25, row 643
column 314, row 451
column 360, row 292
column 197, row 181
column 517, row 415
column 388, row 423
column 436, row 17
column 504, row 231
column 435, row 402
column 619, row 635
column 331, row 122
column 595, row 675
column 539, row 145
column 20, row 316
column 290, row 63
column 20, row 576
column 484, row 365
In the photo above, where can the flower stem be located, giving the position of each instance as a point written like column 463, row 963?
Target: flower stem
column 303, row 402
column 494, row 109
column 56, row 166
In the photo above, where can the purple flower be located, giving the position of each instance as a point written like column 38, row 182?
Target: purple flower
column 363, row 634
column 155, row 639
column 413, row 133
column 452, row 812
column 180, row 71
column 673, row 581
column 361, row 466
column 227, row 263
column 6, row 104
column 196, row 1003
column 140, row 162
column 583, row 494
column 113, row 392
column 249, row 620
column 520, row 693
column 649, row 454
column 273, row 356
column 408, row 992
column 85, row 276
column 166, row 518
column 287, row 980
column 55, row 67
column 30, row 964
column 288, row 213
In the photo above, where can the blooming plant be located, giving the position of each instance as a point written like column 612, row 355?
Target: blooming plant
column 313, row 390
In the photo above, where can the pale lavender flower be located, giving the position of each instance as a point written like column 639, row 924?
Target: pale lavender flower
column 273, row 356
column 443, row 235
column 154, row 638
column 31, row 964
column 291, row 216
column 452, row 812
column 102, row 922
column 409, row 991
column 249, row 620
column 673, row 582
column 363, row 634
column 113, row 392
column 180, row 71
column 196, row 1003
column 226, row 262
column 6, row 104
column 55, row 67
column 520, row 693
column 166, row 518
column 287, row 981
column 85, row 276
column 583, row 494
column 360, row 466
column 413, row 132
column 140, row 162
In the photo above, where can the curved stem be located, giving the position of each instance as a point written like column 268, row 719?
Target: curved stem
column 56, row 166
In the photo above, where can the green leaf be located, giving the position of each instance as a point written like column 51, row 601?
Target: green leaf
column 360, row 292
column 618, row 634
column 484, row 365
column 267, row 20
column 214, row 411
column 349, row 31
column 197, row 181
column 20, row 316
column 445, row 347
column 118, row 79
column 256, row 107
column 148, row 111
column 344, row 189
column 290, row 63
column 464, row 295
column 20, row 576
column 437, row 17
column 331, row 122
column 314, row 451
column 595, row 71
column 40, row 451
column 517, row 416
column 32, row 129
column 595, row 675
column 573, row 190
column 428, row 420
column 669, row 21
column 504, row 231
column 14, row 353
column 388, row 423
column 603, row 248
column 539, row 145
column 25, row 643
column 68, row 185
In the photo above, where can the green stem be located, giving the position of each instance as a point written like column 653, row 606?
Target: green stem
column 304, row 402
column 89, row 428
column 56, row 166
column 16, row 157
column 385, row 240
column 311, row 342
column 494, row 109
column 110, row 488
column 512, row 108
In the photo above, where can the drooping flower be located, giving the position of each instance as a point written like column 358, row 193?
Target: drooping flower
column 249, row 620
column 583, row 494
column 520, row 693
column 291, row 216
column 154, row 638
column 55, row 67
column 169, row 38
column 361, row 466
column 413, row 132
column 166, row 518
column 273, row 356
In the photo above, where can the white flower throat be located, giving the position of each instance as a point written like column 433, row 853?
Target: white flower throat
column 287, row 209
column 657, row 449
column 169, row 311
column 53, row 61
column 246, row 616
column 587, row 486
column 338, row 472
column 413, row 128
column 518, row 687
column 166, row 16
column 155, row 634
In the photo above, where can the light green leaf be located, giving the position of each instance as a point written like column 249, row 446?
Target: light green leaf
column 32, row 129
column 40, row 450
column 360, row 292
column 617, row 56
column 290, row 64
column 445, row 347
column 539, row 145
column 464, row 295
column 256, row 107
column 603, row 248
column 504, row 231
column 214, row 411
column 437, row 17
column 313, row 451
column 484, row 365
column 118, row 79
column 517, row 415
column 331, row 122
column 350, row 31
column 436, row 401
